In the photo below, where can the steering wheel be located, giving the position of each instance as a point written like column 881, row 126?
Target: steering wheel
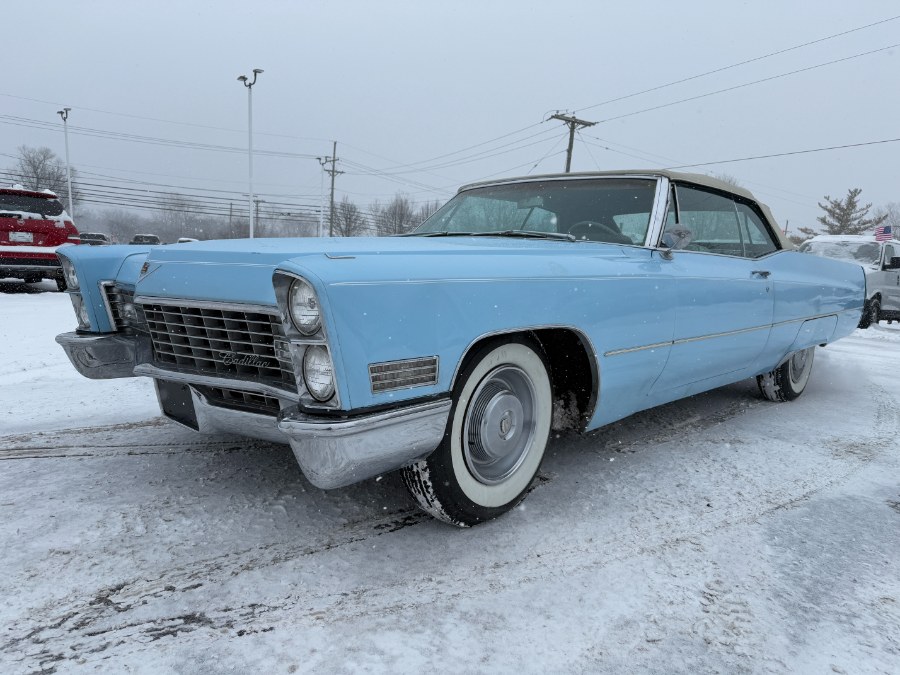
column 591, row 230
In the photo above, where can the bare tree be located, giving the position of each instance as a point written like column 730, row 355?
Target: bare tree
column 890, row 213
column 727, row 178
column 41, row 169
column 425, row 210
column 397, row 217
column 349, row 221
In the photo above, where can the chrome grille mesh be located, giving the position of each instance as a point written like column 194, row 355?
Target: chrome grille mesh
column 116, row 298
column 403, row 374
column 229, row 343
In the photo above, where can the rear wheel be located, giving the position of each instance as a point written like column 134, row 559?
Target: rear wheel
column 789, row 380
column 871, row 314
column 495, row 439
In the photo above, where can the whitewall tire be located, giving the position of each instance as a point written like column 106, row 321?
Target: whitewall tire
column 495, row 439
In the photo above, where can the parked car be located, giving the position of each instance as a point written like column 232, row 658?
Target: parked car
column 144, row 239
column 33, row 225
column 521, row 306
column 94, row 238
column 186, row 240
column 881, row 264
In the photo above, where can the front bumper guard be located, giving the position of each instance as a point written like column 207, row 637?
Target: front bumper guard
column 335, row 453
column 100, row 357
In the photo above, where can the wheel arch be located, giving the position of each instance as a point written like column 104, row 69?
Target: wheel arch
column 574, row 370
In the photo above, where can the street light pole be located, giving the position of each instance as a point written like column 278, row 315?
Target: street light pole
column 64, row 113
column 249, row 84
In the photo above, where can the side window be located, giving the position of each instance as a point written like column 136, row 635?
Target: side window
column 759, row 239
column 709, row 222
column 716, row 223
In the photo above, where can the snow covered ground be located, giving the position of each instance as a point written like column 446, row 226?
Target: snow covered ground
column 721, row 533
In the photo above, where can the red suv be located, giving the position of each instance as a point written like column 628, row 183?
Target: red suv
column 32, row 226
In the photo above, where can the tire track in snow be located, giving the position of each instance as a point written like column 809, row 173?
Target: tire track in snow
column 137, row 613
column 84, row 629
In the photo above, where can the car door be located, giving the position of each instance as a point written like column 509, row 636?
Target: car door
column 723, row 292
column 889, row 280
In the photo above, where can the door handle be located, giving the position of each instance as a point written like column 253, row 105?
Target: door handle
column 762, row 274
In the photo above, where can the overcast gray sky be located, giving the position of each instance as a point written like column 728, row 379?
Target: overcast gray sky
column 406, row 87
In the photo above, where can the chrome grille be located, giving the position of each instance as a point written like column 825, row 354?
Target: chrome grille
column 233, row 343
column 116, row 298
column 238, row 399
column 392, row 375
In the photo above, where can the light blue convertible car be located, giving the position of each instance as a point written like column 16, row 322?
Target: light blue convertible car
column 521, row 306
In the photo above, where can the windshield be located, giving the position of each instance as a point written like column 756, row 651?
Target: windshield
column 27, row 204
column 614, row 210
column 860, row 252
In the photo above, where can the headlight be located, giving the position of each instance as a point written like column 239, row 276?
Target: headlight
column 69, row 273
column 304, row 307
column 318, row 373
column 84, row 321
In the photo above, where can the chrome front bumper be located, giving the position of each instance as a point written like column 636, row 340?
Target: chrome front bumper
column 332, row 452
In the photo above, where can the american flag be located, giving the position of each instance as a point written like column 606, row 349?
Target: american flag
column 883, row 233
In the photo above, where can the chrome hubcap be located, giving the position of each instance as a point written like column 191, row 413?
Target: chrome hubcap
column 499, row 425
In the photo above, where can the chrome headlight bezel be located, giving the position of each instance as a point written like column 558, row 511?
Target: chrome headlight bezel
column 81, row 313
column 324, row 392
column 303, row 307
column 69, row 274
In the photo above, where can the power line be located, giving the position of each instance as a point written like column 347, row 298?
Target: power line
column 786, row 154
column 150, row 140
column 747, row 84
column 159, row 119
column 740, row 63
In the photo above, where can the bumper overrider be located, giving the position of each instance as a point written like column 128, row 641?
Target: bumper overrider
column 332, row 450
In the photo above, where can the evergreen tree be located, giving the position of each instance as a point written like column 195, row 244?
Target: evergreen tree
column 846, row 216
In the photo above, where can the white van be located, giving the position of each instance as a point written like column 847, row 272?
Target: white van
column 879, row 260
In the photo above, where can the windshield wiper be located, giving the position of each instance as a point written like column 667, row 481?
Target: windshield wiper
column 526, row 234
column 437, row 234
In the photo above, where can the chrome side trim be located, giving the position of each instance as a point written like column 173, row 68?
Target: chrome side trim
column 333, row 453
column 657, row 345
column 629, row 350
column 149, row 370
column 208, row 304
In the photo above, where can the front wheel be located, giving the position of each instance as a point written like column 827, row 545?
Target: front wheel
column 789, row 380
column 495, row 439
column 61, row 284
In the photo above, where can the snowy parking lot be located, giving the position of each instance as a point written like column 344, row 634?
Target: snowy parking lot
column 721, row 533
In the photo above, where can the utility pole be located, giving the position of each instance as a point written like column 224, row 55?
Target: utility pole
column 573, row 123
column 64, row 113
column 332, row 172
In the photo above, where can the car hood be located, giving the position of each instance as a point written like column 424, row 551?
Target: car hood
column 241, row 270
